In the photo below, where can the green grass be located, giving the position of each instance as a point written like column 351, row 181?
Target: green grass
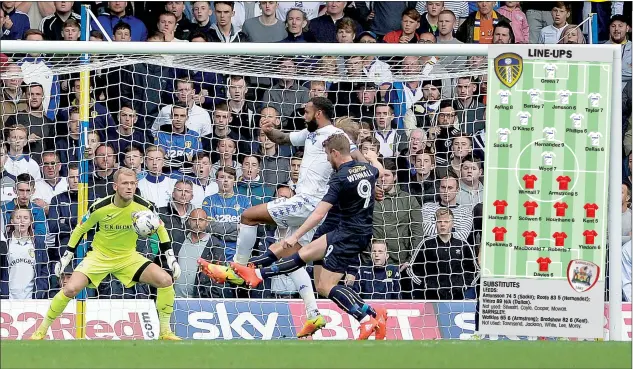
column 313, row 354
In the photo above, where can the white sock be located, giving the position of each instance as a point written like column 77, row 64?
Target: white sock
column 303, row 283
column 246, row 238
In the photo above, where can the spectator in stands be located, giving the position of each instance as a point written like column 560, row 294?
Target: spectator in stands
column 198, row 119
column 572, row 35
column 7, row 180
column 397, row 218
column 324, row 26
column 271, row 114
column 174, row 215
column 370, row 144
column 251, row 184
column 627, row 217
column 179, row 142
column 227, row 154
column 266, row 27
column 423, row 113
column 274, row 167
column 382, row 17
column 226, row 206
column 51, row 183
column 381, row 280
column 363, row 103
column 470, row 112
column 364, row 131
column 203, row 185
column 286, row 95
column 26, row 273
column 224, row 30
column 462, row 214
column 167, row 25
column 210, row 87
column 552, row 33
column 424, row 184
column 445, row 129
column 406, row 160
column 461, row 146
column 18, row 160
column 13, row 98
column 53, row 25
column 221, row 129
column 295, row 166
column 125, row 133
column 133, row 159
column 619, row 28
column 41, row 130
column 296, row 27
column 478, row 27
column 429, row 21
column 202, row 14
column 626, row 271
column 102, row 180
column 520, row 27
column 115, row 14
column 99, row 116
column 71, row 30
column 442, row 267
column 24, row 188
column 156, row 187
column 408, row 29
column 183, row 26
column 96, row 36
column 446, row 21
column 539, row 16
column 243, row 111
column 345, row 31
column 392, row 140
column 471, row 190
column 503, row 34
column 123, row 32
column 15, row 24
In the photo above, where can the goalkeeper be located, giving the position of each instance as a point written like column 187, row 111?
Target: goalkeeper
column 114, row 252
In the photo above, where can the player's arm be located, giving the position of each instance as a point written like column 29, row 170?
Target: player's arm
column 372, row 157
column 164, row 244
column 274, row 134
column 87, row 222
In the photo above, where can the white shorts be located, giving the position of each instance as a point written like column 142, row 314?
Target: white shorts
column 290, row 214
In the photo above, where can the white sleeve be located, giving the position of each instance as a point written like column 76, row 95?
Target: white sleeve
column 299, row 138
column 161, row 118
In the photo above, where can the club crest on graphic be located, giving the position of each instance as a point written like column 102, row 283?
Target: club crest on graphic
column 582, row 275
column 508, row 68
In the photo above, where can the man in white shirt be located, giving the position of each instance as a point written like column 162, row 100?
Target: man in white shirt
column 156, row 187
column 198, row 120
column 392, row 140
column 51, row 184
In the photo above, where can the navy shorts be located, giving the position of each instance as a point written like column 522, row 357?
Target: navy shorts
column 343, row 250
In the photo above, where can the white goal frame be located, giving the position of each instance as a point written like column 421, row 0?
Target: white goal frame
column 292, row 49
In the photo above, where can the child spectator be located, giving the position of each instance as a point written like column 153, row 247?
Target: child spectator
column 203, row 184
column 226, row 149
column 552, row 34
column 7, row 180
column 156, row 187
column 407, row 34
column 133, row 159
column 274, row 168
column 370, row 144
column 364, row 131
column 19, row 161
column 520, row 27
column 71, row 31
column 429, row 21
column 251, row 184
column 380, row 281
column 572, row 35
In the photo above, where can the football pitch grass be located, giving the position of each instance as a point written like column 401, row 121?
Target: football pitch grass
column 314, row 354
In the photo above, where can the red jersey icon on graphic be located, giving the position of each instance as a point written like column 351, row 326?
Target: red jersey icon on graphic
column 500, row 206
column 563, row 182
column 543, row 264
column 529, row 237
column 560, row 208
column 530, row 207
column 591, row 210
column 529, row 181
column 590, row 236
column 559, row 237
column 499, row 233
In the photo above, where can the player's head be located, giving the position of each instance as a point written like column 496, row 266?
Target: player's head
column 379, row 252
column 125, row 183
column 444, row 221
column 24, row 187
column 225, row 178
column 318, row 113
column 337, row 150
column 198, row 221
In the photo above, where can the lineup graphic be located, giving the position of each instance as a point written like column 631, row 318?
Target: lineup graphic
column 548, row 156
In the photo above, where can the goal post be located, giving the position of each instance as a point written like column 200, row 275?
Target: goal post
column 442, row 64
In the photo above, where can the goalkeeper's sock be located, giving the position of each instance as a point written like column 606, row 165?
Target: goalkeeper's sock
column 165, row 305
column 246, row 238
column 58, row 304
column 350, row 302
column 264, row 260
column 302, row 281
column 283, row 266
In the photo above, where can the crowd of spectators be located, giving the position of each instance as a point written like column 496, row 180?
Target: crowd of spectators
column 193, row 136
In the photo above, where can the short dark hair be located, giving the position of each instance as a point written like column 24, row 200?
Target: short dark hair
column 179, row 105
column 228, row 170
column 201, row 155
column 198, row 34
column 121, row 25
column 33, row 31
column 472, row 159
column 24, row 178
column 562, row 4
column 133, row 147
column 257, row 157
column 157, row 34
column 71, row 22
column 229, row 3
column 298, row 155
column 324, row 105
column 505, row 24
column 390, row 164
column 97, row 34
column 73, row 166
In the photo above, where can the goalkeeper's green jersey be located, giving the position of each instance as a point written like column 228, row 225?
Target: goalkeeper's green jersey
column 114, row 234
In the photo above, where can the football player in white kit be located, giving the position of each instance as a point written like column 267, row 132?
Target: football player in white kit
column 291, row 213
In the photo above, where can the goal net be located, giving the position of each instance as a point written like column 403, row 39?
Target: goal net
column 423, row 114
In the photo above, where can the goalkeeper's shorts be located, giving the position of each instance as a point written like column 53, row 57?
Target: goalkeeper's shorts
column 126, row 268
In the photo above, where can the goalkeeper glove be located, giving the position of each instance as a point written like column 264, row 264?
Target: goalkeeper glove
column 172, row 263
column 61, row 265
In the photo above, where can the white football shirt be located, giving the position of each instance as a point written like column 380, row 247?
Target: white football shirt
column 21, row 261
column 548, row 157
column 594, row 99
column 503, row 134
column 564, row 96
column 595, row 138
column 524, row 117
column 550, row 132
column 315, row 170
column 550, row 70
column 504, row 96
column 535, row 94
column 577, row 119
